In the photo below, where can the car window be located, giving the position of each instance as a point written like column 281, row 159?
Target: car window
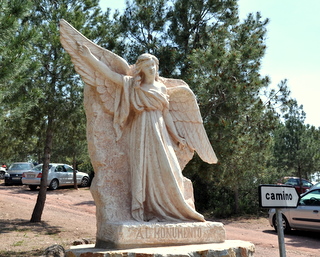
column 20, row 166
column 311, row 199
column 306, row 183
column 39, row 167
column 292, row 182
column 68, row 168
column 60, row 168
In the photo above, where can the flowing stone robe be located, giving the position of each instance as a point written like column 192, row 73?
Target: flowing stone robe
column 156, row 178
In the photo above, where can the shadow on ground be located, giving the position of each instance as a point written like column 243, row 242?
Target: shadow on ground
column 20, row 225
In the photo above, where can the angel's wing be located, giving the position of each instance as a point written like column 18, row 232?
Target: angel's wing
column 188, row 121
column 100, row 98
column 70, row 39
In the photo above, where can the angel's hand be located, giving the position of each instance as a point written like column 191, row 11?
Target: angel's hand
column 84, row 50
column 182, row 143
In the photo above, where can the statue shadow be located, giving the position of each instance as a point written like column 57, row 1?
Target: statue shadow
column 86, row 203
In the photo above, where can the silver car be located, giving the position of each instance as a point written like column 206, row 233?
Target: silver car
column 305, row 217
column 59, row 175
column 14, row 173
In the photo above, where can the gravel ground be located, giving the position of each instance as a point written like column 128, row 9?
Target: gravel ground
column 69, row 216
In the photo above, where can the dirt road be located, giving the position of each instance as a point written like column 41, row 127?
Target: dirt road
column 69, row 215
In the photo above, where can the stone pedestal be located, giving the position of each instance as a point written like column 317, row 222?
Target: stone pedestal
column 124, row 235
column 229, row 248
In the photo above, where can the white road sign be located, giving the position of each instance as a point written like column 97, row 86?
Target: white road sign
column 278, row 196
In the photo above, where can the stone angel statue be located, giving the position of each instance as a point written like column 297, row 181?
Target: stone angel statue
column 142, row 130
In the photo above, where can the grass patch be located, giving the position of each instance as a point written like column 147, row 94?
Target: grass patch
column 18, row 243
column 31, row 253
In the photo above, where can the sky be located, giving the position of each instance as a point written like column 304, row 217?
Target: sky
column 293, row 47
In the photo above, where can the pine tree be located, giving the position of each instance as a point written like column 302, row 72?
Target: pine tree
column 142, row 26
column 16, row 62
column 296, row 145
column 229, row 87
column 55, row 89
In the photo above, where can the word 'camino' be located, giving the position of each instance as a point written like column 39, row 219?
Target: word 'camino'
column 279, row 196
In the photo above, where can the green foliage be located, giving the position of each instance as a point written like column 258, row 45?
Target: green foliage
column 222, row 67
column 45, row 112
column 46, row 86
column 296, row 147
column 17, row 62
column 142, row 27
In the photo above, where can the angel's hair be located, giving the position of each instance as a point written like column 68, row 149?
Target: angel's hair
column 137, row 74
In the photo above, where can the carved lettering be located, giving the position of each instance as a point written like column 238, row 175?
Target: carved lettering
column 169, row 233
column 156, row 233
column 139, row 234
column 148, row 233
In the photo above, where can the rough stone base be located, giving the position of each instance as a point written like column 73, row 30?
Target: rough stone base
column 229, row 248
column 146, row 234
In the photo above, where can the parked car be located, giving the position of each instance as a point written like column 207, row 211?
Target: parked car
column 14, row 173
column 59, row 175
column 295, row 181
column 3, row 170
column 305, row 217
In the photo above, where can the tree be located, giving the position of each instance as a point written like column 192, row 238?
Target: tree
column 16, row 62
column 229, row 88
column 59, row 90
column 170, row 29
column 296, row 144
column 142, row 25
column 192, row 24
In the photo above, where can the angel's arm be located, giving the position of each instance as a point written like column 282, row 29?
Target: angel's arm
column 100, row 66
column 172, row 128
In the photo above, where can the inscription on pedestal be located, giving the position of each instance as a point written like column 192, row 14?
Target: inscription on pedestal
column 168, row 233
column 129, row 234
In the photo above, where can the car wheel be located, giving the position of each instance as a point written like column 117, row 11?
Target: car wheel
column 84, row 182
column 285, row 224
column 2, row 174
column 33, row 187
column 54, row 184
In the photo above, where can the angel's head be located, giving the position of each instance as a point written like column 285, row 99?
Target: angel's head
column 147, row 66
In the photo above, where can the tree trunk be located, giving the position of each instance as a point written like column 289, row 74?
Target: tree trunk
column 74, row 164
column 38, row 209
column 236, row 200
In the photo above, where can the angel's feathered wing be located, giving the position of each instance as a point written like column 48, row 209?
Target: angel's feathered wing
column 188, row 121
column 108, row 156
column 70, row 39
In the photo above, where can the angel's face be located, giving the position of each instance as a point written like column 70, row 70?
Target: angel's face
column 149, row 68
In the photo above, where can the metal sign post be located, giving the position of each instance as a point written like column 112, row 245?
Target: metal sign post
column 282, row 246
column 278, row 196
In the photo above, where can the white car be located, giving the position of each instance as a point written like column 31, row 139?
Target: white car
column 59, row 175
column 305, row 217
column 2, row 172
